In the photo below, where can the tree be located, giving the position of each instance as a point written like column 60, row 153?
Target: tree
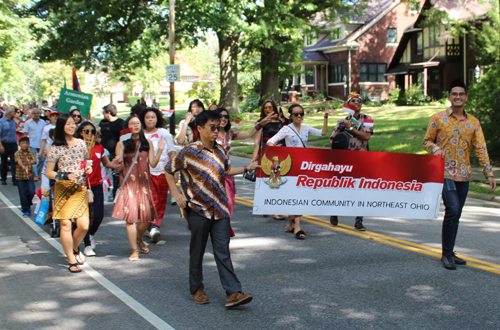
column 277, row 31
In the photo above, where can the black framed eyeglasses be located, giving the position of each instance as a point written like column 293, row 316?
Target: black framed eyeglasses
column 296, row 114
column 89, row 131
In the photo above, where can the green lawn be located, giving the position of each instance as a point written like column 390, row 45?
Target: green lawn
column 396, row 129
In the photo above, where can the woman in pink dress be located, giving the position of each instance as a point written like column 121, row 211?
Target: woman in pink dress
column 135, row 202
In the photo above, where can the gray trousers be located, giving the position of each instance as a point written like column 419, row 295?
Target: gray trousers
column 220, row 233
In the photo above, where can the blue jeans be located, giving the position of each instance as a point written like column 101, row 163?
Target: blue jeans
column 26, row 190
column 454, row 196
column 38, row 167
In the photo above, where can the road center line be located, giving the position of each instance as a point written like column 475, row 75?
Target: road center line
column 107, row 284
column 396, row 242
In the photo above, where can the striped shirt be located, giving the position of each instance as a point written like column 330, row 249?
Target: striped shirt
column 203, row 174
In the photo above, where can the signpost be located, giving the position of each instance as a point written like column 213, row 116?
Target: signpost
column 173, row 73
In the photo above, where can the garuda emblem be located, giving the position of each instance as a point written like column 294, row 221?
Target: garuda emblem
column 275, row 169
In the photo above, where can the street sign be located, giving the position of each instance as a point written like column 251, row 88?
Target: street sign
column 173, row 73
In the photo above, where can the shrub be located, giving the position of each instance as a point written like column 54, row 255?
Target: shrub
column 252, row 103
column 484, row 103
column 396, row 96
column 320, row 96
column 415, row 95
column 305, row 98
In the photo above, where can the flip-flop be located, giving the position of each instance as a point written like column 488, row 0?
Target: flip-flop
column 78, row 270
column 278, row 217
column 299, row 233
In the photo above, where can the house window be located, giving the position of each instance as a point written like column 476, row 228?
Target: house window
column 310, row 76
column 434, row 35
column 392, row 36
column 420, row 44
column 310, row 39
column 373, row 72
column 336, row 34
column 336, row 73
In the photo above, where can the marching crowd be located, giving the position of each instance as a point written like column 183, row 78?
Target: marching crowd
column 74, row 156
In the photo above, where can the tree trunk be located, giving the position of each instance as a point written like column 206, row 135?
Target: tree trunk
column 269, row 67
column 228, row 48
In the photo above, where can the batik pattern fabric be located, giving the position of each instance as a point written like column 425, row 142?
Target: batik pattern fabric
column 26, row 158
column 203, row 172
column 354, row 142
column 70, row 200
column 455, row 138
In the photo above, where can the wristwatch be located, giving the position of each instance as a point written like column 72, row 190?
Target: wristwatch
column 350, row 129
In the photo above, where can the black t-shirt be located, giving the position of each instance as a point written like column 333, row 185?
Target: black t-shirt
column 110, row 131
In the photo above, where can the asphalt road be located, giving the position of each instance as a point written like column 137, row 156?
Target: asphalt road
column 389, row 277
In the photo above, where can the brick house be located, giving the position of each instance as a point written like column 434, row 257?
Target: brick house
column 354, row 55
column 431, row 56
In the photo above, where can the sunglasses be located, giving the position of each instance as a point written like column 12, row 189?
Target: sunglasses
column 88, row 131
column 267, row 108
column 225, row 116
column 79, row 116
column 296, row 114
column 215, row 128
column 356, row 101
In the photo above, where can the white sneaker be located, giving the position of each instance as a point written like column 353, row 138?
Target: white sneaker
column 155, row 235
column 88, row 251
column 92, row 241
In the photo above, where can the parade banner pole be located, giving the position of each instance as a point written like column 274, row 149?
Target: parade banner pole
column 171, row 38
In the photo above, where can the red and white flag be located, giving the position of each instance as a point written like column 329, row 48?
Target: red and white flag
column 125, row 134
column 368, row 122
column 349, row 108
column 236, row 122
column 167, row 113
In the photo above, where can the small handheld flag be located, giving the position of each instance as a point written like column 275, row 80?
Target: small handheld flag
column 125, row 134
column 368, row 122
column 349, row 108
column 167, row 113
column 236, row 122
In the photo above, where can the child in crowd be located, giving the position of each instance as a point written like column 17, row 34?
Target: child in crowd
column 25, row 158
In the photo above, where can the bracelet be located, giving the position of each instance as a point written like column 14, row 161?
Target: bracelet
column 60, row 176
column 258, row 126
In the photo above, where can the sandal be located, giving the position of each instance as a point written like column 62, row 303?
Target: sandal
column 300, row 234
column 134, row 256
column 79, row 257
column 278, row 217
column 75, row 265
column 143, row 246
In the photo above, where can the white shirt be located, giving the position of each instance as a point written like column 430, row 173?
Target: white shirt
column 34, row 131
column 189, row 134
column 291, row 136
column 45, row 134
column 155, row 137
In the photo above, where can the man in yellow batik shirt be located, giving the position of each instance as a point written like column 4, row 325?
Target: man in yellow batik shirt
column 451, row 134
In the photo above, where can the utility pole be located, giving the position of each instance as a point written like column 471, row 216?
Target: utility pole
column 171, row 39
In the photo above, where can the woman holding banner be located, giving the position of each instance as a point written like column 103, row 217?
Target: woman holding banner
column 134, row 201
column 226, row 135
column 296, row 135
column 269, row 107
column 70, row 194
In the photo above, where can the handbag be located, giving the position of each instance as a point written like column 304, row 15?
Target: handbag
column 41, row 215
column 126, row 176
column 90, row 193
column 303, row 144
column 250, row 175
column 341, row 141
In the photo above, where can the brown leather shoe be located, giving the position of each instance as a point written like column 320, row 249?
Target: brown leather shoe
column 238, row 298
column 200, row 297
column 334, row 220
